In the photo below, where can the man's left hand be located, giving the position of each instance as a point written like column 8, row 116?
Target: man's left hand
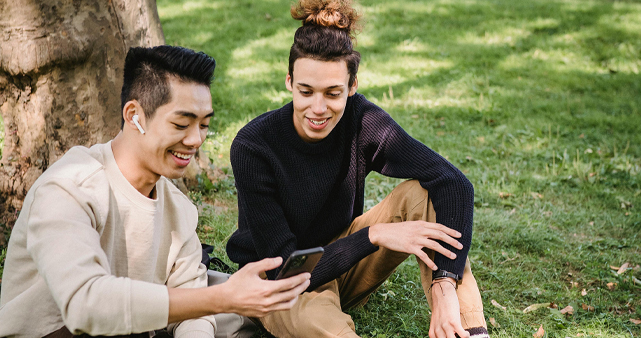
column 446, row 313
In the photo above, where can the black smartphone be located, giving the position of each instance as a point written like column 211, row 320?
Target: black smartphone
column 300, row 261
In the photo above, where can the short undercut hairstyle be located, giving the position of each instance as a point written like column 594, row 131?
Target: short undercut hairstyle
column 147, row 72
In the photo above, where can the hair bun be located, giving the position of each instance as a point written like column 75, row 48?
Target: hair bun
column 326, row 13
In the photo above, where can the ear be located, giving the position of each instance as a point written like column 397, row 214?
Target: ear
column 288, row 82
column 352, row 90
column 130, row 109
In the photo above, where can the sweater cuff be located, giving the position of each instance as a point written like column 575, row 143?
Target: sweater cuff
column 456, row 266
column 149, row 306
column 362, row 241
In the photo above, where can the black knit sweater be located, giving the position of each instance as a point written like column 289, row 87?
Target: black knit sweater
column 295, row 195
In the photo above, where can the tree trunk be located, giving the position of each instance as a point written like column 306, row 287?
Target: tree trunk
column 61, row 64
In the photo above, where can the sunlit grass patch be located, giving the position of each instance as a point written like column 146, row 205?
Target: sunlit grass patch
column 168, row 11
column 505, row 36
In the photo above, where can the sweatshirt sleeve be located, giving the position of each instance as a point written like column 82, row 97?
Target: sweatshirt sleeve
column 64, row 242
column 452, row 194
column 189, row 272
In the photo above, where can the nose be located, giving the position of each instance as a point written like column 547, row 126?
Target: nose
column 195, row 137
column 319, row 105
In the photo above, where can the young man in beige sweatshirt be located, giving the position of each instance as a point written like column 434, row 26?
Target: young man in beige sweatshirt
column 106, row 245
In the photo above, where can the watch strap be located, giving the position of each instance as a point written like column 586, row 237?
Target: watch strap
column 440, row 274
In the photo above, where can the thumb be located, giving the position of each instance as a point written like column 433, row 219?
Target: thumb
column 266, row 264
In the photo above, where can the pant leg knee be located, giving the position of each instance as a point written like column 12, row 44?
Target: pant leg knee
column 316, row 314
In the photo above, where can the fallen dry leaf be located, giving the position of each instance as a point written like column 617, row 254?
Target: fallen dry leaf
column 591, row 223
column 574, row 284
column 612, row 286
column 623, row 268
column 568, row 309
column 504, row 194
column 553, row 306
column 536, row 195
column 583, row 292
column 495, row 303
column 494, row 323
column 635, row 321
column 539, row 333
column 614, row 267
column 636, row 280
column 535, row 307
column 587, row 307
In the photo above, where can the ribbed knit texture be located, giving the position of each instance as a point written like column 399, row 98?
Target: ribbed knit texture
column 478, row 332
column 296, row 195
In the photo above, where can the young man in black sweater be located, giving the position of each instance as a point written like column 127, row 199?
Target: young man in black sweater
column 300, row 172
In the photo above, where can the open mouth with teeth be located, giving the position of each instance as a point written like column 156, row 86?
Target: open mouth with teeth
column 318, row 123
column 181, row 158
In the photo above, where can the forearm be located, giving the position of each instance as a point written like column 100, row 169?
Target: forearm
column 340, row 256
column 187, row 303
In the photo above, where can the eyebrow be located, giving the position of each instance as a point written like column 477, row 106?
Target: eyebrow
column 330, row 87
column 192, row 115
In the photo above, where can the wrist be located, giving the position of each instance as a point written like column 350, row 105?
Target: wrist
column 373, row 234
column 215, row 301
column 442, row 288
column 445, row 279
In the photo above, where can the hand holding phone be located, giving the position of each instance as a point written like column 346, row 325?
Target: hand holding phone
column 300, row 261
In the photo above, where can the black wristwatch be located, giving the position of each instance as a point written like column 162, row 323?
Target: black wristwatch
column 440, row 274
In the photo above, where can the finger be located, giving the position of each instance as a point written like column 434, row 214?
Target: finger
column 287, row 295
column 461, row 331
column 264, row 265
column 435, row 246
column 293, row 281
column 442, row 236
column 449, row 231
column 440, row 333
column 426, row 259
column 287, row 305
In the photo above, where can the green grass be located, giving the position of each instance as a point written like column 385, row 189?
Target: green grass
column 538, row 102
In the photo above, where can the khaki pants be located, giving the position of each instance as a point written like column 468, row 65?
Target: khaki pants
column 319, row 313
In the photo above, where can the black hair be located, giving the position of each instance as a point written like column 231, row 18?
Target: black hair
column 147, row 71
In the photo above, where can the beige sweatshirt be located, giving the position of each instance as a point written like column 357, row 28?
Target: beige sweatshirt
column 90, row 252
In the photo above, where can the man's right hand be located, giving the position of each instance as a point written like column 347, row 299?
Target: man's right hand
column 247, row 294
column 244, row 293
column 412, row 236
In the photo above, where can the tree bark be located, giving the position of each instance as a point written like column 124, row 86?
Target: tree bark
column 61, row 64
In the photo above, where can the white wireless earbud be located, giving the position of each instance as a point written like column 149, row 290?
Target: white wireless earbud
column 135, row 119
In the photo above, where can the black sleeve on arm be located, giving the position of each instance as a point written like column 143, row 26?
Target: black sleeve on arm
column 452, row 194
column 261, row 215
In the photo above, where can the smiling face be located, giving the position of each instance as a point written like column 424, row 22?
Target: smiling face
column 175, row 132
column 320, row 91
